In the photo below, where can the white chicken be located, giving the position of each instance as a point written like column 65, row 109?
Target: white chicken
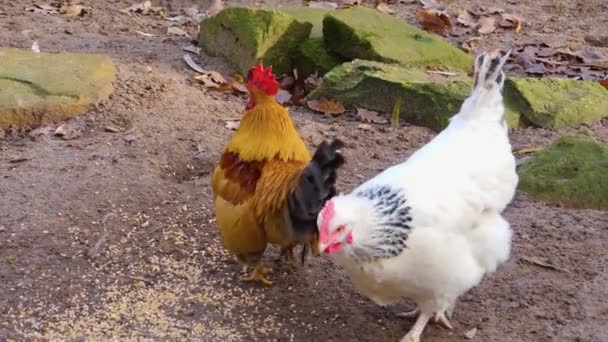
column 430, row 228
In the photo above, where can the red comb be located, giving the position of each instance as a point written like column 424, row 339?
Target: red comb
column 326, row 214
column 263, row 79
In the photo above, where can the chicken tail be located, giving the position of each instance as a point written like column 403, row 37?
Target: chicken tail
column 491, row 240
column 486, row 98
column 316, row 185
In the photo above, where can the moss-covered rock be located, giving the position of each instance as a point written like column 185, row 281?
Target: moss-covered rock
column 555, row 103
column 245, row 36
column 41, row 88
column 427, row 99
column 364, row 33
column 310, row 15
column 573, row 171
column 313, row 57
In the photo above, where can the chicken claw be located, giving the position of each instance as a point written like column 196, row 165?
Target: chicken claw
column 259, row 274
column 416, row 331
column 441, row 319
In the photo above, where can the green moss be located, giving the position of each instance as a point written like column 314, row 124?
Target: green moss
column 245, row 36
column 556, row 103
column 573, row 171
column 427, row 100
column 308, row 15
column 41, row 88
column 313, row 57
column 364, row 33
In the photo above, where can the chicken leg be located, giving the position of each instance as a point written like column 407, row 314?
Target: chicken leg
column 416, row 331
column 258, row 274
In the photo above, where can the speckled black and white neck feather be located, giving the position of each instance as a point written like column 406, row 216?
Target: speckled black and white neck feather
column 393, row 225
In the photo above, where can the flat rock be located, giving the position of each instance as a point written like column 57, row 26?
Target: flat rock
column 556, row 102
column 427, row 99
column 364, row 33
column 311, row 15
column 573, row 171
column 246, row 36
column 41, row 88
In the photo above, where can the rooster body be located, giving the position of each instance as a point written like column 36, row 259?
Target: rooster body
column 267, row 187
column 430, row 228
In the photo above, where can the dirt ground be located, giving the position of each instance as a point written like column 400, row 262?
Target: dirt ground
column 161, row 273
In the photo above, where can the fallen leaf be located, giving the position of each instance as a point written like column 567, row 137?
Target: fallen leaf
column 470, row 44
column 191, row 48
column 434, row 21
column 326, row 106
column 192, row 64
column 432, row 4
column 370, row 116
column 465, row 18
column 176, row 31
column 232, row 125
column 604, row 83
column 470, row 333
column 588, row 56
column 35, row 47
column 459, row 31
column 72, row 10
column 129, row 139
column 207, row 81
column 486, row 25
column 527, row 150
column 237, row 85
column 323, row 4
column 494, row 10
column 282, row 96
column 216, row 76
column 538, row 262
column 69, row 131
column 384, row 8
column 511, row 20
column 525, row 58
column 144, row 8
column 365, row 127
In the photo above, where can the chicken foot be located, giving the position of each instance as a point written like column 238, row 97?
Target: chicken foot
column 439, row 318
column 416, row 331
column 259, row 274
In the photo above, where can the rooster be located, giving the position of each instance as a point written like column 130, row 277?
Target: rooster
column 430, row 228
column 267, row 187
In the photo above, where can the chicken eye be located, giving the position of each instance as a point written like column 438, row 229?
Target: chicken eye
column 340, row 229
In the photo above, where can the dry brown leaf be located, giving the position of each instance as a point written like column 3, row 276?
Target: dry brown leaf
column 176, row 31
column 326, row 106
column 511, row 20
column 486, row 25
column 536, row 69
column 238, row 78
column 207, row 81
column 365, row 127
column 144, row 8
column 604, row 83
column 282, row 96
column 73, row 10
column 465, row 18
column 434, row 21
column 470, row 44
column 232, row 125
column 323, row 4
column 370, row 116
column 384, row 8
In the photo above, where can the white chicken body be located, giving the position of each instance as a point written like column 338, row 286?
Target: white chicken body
column 430, row 228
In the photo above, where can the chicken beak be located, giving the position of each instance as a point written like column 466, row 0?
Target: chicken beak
column 322, row 247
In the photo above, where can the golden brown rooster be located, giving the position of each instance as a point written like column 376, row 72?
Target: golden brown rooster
column 267, row 188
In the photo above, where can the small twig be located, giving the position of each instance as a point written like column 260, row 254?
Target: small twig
column 142, row 279
column 442, row 73
column 535, row 261
column 92, row 252
column 526, row 150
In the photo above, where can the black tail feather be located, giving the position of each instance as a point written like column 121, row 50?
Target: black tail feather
column 316, row 185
